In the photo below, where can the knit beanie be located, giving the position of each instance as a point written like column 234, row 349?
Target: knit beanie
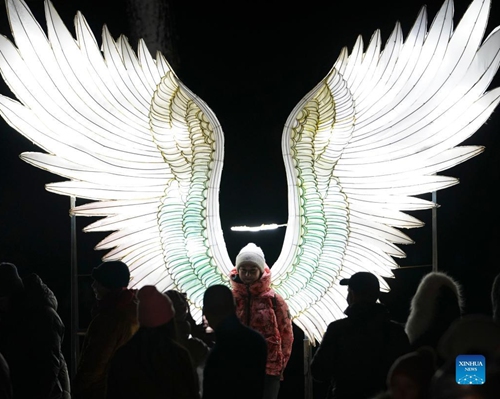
column 10, row 281
column 155, row 308
column 251, row 253
column 419, row 366
column 113, row 274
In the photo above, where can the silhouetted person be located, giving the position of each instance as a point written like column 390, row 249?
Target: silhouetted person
column 495, row 298
column 5, row 384
column 236, row 365
column 197, row 348
column 444, row 386
column 474, row 334
column 436, row 304
column 411, row 374
column 153, row 365
column 262, row 309
column 197, row 330
column 114, row 323
column 356, row 352
column 31, row 335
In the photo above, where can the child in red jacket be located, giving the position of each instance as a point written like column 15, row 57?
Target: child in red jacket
column 260, row 308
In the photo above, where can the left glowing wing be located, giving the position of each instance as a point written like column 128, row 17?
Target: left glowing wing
column 127, row 133
column 370, row 136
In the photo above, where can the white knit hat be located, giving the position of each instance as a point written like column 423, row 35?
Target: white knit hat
column 251, row 253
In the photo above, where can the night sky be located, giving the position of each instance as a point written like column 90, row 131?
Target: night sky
column 251, row 62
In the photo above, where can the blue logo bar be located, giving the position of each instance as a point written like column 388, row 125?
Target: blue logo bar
column 470, row 370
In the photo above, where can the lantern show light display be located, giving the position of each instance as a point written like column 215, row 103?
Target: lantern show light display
column 262, row 227
column 127, row 134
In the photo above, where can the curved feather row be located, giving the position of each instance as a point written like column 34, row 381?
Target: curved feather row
column 191, row 142
column 357, row 149
column 374, row 133
column 127, row 134
column 313, row 140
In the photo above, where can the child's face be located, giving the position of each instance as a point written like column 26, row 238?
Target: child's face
column 248, row 273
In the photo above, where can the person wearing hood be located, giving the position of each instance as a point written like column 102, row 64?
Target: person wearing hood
column 436, row 304
column 260, row 308
column 31, row 336
column 357, row 352
column 114, row 322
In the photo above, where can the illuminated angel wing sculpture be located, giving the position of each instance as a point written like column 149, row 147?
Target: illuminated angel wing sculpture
column 368, row 138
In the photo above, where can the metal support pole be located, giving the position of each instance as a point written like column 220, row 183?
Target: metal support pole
column 434, row 234
column 308, row 384
column 74, row 295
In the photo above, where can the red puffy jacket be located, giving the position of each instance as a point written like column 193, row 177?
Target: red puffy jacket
column 260, row 308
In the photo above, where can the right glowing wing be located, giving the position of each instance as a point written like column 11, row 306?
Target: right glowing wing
column 367, row 139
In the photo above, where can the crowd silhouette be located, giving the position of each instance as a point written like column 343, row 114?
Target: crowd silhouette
column 145, row 343
column 357, row 352
column 31, row 335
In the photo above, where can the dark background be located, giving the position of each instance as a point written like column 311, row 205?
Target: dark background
column 251, row 62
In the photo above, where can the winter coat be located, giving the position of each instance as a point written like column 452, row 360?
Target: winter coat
column 5, row 384
column 31, row 336
column 114, row 323
column 197, row 349
column 260, row 308
column 236, row 365
column 153, row 366
column 356, row 352
column 436, row 304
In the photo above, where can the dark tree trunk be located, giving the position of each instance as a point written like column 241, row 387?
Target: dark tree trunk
column 154, row 22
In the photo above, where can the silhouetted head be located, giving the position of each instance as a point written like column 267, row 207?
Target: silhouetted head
column 10, row 285
column 10, row 282
column 110, row 276
column 218, row 303
column 437, row 303
column 180, row 302
column 411, row 374
column 471, row 334
column 155, row 308
column 363, row 287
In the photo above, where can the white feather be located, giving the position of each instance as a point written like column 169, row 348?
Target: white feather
column 126, row 133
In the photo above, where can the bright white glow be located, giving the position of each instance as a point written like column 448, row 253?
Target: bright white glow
column 262, row 227
column 374, row 132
